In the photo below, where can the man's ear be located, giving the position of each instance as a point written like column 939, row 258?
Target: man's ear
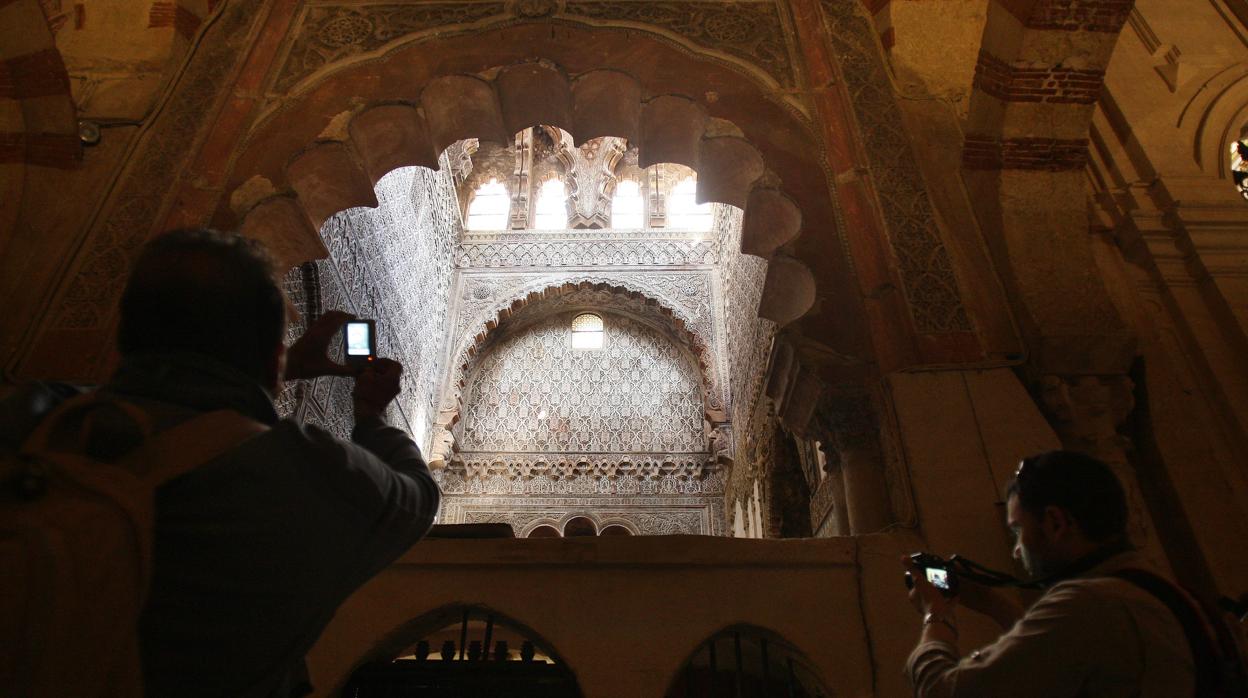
column 1058, row 523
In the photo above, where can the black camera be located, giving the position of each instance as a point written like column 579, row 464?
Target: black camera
column 937, row 571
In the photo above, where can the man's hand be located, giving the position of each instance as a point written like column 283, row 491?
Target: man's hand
column 997, row 604
column 308, row 357
column 375, row 387
column 923, row 596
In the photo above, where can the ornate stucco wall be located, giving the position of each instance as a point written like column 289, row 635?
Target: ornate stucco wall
column 535, row 393
column 392, row 263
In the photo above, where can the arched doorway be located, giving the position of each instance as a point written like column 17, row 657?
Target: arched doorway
column 464, row 651
column 746, row 661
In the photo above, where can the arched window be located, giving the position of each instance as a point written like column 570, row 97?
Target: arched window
column 464, row 651
column 579, row 526
column 682, row 211
column 587, row 331
column 626, row 205
column 552, row 209
column 544, row 531
column 1239, row 166
column 615, row 530
column 488, row 210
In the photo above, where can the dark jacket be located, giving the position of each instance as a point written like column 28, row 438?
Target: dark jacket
column 256, row 549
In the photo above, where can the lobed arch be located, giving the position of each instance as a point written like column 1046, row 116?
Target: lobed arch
column 329, row 176
column 531, row 306
column 407, row 106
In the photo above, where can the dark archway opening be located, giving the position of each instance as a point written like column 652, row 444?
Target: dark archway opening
column 746, row 662
column 544, row 532
column 466, row 652
column 579, row 526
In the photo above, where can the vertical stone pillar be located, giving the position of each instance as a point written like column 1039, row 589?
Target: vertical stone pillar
column 835, row 482
column 1086, row 412
column 849, row 424
column 521, row 184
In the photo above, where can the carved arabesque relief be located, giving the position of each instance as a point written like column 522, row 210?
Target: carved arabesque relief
column 417, row 222
column 931, row 288
column 751, row 33
column 589, row 171
column 686, row 294
column 535, row 393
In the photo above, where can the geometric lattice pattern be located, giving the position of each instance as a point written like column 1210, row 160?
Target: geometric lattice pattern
column 534, row 393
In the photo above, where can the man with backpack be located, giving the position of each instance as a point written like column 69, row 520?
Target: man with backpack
column 1107, row 624
column 262, row 527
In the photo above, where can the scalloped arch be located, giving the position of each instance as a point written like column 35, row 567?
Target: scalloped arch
column 361, row 145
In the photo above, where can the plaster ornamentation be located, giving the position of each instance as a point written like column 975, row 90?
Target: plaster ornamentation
column 750, row 31
column 328, row 33
column 747, row 338
column 930, row 287
column 535, row 393
column 590, row 174
column 648, row 523
column 822, row 500
column 416, row 220
column 554, row 250
column 686, row 293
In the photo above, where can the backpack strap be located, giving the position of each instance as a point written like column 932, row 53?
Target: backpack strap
column 157, row 458
column 180, row 449
column 81, row 407
column 1205, row 654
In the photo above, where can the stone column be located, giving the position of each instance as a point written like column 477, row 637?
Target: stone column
column 848, row 423
column 834, row 481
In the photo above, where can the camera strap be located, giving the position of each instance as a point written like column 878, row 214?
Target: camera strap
column 976, row 572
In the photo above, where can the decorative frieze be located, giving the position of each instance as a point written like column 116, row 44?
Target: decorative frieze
column 569, row 249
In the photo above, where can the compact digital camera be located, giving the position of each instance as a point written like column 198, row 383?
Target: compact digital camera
column 359, row 342
column 937, row 571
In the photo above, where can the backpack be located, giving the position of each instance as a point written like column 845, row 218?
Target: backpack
column 76, row 544
column 1219, row 666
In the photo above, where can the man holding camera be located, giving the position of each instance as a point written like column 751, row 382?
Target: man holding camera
column 257, row 546
column 1101, row 628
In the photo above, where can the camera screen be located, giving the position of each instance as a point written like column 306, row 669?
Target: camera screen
column 937, row 577
column 358, row 341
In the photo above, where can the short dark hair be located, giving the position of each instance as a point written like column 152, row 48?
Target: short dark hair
column 1082, row 485
column 206, row 292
